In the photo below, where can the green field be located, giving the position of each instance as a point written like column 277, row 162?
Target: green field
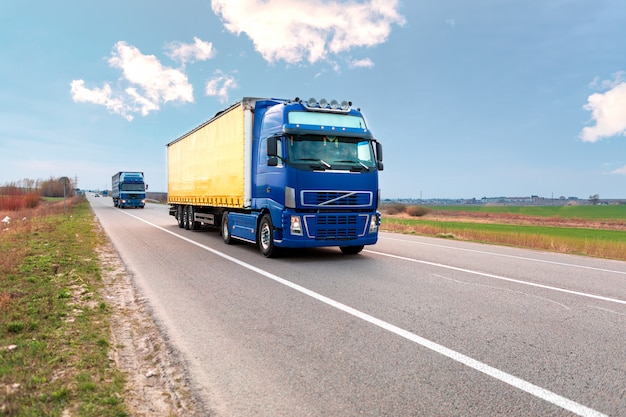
column 599, row 230
column 615, row 212
column 583, row 234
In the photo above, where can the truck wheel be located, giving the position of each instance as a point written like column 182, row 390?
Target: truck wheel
column 351, row 250
column 186, row 217
column 179, row 216
column 266, row 237
column 191, row 214
column 228, row 238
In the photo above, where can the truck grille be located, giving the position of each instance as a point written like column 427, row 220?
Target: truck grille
column 336, row 198
column 336, row 227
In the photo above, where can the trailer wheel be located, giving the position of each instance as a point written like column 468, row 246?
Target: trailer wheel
column 191, row 214
column 179, row 216
column 351, row 250
column 186, row 217
column 266, row 237
column 228, row 238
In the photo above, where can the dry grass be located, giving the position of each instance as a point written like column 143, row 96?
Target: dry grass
column 19, row 223
column 446, row 225
column 18, row 202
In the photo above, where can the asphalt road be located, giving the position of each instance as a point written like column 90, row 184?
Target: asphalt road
column 412, row 326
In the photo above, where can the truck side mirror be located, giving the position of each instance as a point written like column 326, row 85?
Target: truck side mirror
column 272, row 151
column 379, row 156
column 272, row 147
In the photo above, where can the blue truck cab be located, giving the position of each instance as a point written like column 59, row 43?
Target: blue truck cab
column 128, row 189
column 314, row 178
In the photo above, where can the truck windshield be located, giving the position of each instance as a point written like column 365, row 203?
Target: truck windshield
column 330, row 152
column 133, row 187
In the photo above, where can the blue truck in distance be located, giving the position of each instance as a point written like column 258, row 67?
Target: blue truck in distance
column 128, row 189
column 279, row 173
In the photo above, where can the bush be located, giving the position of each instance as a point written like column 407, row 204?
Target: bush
column 32, row 200
column 417, row 211
column 13, row 202
column 393, row 208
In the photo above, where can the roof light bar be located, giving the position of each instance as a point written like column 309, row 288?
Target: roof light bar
column 325, row 105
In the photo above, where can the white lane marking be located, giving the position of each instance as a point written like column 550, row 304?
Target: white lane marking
column 492, row 287
column 613, row 271
column 502, row 376
column 517, row 281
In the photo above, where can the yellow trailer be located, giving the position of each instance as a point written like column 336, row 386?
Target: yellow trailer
column 210, row 165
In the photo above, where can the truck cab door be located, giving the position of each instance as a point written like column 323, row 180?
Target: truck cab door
column 270, row 179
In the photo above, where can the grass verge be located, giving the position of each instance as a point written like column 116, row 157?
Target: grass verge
column 54, row 328
column 610, row 244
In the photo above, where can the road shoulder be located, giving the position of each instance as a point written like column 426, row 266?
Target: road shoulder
column 156, row 380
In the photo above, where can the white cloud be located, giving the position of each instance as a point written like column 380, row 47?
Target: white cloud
column 362, row 63
column 101, row 96
column 220, row 85
column 297, row 30
column 149, row 84
column 157, row 83
column 199, row 50
column 608, row 111
column 620, row 171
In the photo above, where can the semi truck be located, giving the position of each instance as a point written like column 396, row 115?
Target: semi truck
column 279, row 173
column 128, row 189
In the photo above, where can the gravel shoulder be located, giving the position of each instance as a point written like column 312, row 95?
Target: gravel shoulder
column 156, row 381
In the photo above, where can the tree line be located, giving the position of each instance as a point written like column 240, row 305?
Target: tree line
column 26, row 193
column 52, row 187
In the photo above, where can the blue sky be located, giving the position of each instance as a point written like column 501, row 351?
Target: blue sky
column 470, row 99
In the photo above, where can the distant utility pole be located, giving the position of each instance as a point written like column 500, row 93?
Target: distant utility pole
column 64, row 181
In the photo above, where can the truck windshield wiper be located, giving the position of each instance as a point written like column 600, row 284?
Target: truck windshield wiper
column 358, row 164
column 321, row 162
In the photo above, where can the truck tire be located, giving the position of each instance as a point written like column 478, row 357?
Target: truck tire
column 186, row 217
column 351, row 250
column 179, row 216
column 266, row 237
column 228, row 238
column 191, row 214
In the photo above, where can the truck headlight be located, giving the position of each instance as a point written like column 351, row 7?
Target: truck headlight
column 296, row 225
column 374, row 222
